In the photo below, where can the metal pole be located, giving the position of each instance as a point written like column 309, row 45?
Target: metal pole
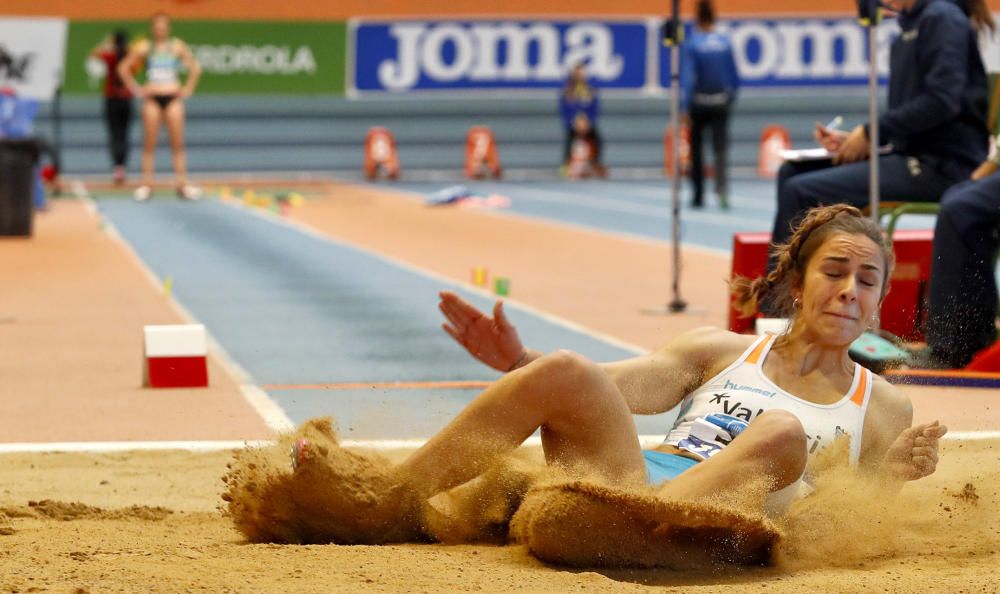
column 57, row 122
column 873, row 135
column 673, row 39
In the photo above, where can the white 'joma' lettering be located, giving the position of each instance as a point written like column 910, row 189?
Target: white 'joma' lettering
column 782, row 48
column 476, row 52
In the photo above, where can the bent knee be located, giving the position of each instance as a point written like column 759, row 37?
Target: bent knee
column 782, row 434
column 565, row 367
column 567, row 378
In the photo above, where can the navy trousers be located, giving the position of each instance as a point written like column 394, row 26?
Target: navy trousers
column 963, row 294
column 717, row 119
column 804, row 185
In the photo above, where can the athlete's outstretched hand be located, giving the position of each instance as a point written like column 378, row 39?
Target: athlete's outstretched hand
column 914, row 454
column 494, row 341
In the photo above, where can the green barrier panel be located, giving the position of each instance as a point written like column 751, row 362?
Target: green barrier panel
column 236, row 57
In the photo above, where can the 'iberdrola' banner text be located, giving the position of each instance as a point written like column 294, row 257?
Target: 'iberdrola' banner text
column 457, row 55
column 235, row 57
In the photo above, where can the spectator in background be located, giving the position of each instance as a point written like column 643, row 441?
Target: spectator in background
column 117, row 100
column 709, row 84
column 961, row 317
column 936, row 120
column 163, row 98
column 578, row 98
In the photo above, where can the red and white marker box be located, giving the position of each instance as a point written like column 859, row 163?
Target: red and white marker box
column 175, row 356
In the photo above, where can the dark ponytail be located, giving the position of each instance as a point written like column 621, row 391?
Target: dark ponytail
column 705, row 12
column 120, row 38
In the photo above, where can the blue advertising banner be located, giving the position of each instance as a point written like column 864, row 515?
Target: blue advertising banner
column 798, row 52
column 406, row 56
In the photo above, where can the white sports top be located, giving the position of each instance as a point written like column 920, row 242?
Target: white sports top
column 743, row 391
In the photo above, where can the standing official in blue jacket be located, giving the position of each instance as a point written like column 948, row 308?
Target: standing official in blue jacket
column 709, row 83
column 935, row 122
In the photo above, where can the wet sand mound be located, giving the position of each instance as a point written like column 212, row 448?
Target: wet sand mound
column 74, row 510
column 582, row 524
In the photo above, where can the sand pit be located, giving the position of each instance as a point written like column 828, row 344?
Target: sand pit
column 939, row 536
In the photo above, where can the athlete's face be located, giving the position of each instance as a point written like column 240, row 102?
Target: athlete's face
column 840, row 292
column 161, row 27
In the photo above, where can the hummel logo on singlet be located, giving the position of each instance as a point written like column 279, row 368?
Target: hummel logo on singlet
column 731, row 386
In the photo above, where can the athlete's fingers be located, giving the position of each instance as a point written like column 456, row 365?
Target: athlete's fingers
column 501, row 316
column 466, row 310
column 450, row 300
column 459, row 316
column 935, row 431
column 453, row 333
column 911, row 433
column 924, row 466
column 457, row 325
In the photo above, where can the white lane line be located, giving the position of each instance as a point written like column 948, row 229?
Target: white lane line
column 98, row 447
column 971, row 435
column 268, row 410
column 449, row 282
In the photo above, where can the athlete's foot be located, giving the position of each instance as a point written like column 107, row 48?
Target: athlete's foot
column 723, row 201
column 350, row 498
column 119, row 175
column 142, row 193
column 304, row 451
column 188, row 192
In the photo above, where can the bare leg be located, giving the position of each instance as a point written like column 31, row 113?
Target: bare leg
column 151, row 118
column 769, row 455
column 175, row 130
column 586, row 427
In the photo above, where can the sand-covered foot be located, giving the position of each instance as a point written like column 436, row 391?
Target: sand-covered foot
column 332, row 495
column 258, row 495
column 349, row 498
column 583, row 524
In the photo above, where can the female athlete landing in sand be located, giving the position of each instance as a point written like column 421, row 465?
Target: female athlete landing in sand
column 752, row 408
column 163, row 99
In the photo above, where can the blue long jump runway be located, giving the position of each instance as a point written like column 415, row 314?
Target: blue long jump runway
column 301, row 312
column 639, row 208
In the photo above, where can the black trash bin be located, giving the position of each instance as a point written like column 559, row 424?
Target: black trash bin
column 17, row 167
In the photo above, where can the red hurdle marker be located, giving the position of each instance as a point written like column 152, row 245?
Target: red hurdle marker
column 481, row 155
column 381, row 154
column 683, row 157
column 773, row 140
column 175, row 356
